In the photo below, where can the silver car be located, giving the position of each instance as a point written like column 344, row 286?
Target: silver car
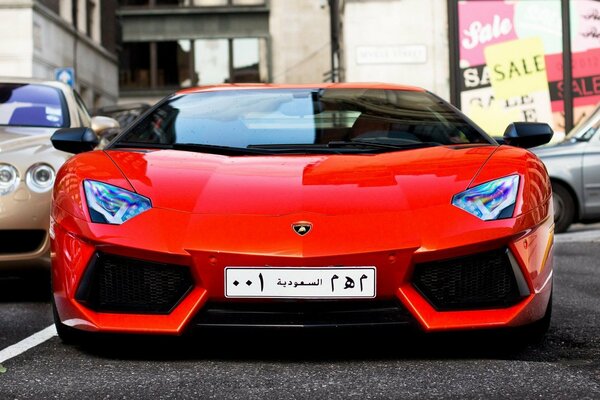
column 574, row 168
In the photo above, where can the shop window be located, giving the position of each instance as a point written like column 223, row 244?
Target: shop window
column 188, row 3
column 90, row 20
column 246, row 59
column 135, row 66
column 184, row 63
column 211, row 60
column 173, row 64
column 248, row 2
column 494, row 33
column 509, row 55
column 585, row 60
column 206, row 3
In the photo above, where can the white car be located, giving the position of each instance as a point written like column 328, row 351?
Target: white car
column 30, row 112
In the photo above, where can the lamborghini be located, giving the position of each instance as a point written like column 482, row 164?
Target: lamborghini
column 294, row 206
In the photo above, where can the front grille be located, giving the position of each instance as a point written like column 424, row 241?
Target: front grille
column 304, row 313
column 14, row 241
column 120, row 284
column 484, row 280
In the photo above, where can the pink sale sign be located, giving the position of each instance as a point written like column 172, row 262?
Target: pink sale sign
column 481, row 24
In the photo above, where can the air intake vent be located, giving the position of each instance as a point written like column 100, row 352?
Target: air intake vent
column 21, row 241
column 484, row 280
column 314, row 313
column 120, row 284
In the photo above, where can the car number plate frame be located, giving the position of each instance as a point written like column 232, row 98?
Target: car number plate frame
column 301, row 282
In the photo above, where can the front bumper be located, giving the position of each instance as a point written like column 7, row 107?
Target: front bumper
column 24, row 220
column 528, row 238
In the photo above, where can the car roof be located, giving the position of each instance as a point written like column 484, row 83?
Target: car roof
column 344, row 85
column 37, row 81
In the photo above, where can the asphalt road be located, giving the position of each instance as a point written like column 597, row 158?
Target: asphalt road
column 347, row 364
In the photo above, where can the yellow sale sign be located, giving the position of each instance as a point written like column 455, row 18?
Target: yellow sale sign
column 517, row 67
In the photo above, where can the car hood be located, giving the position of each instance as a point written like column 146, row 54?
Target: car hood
column 281, row 185
column 567, row 147
column 13, row 138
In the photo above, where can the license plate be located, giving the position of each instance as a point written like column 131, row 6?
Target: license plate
column 300, row 283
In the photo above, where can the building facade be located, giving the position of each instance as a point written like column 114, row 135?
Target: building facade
column 397, row 41
column 49, row 34
column 498, row 60
column 168, row 44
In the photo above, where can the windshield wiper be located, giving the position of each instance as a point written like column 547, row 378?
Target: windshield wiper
column 212, row 148
column 197, row 147
column 294, row 148
column 265, row 149
column 378, row 145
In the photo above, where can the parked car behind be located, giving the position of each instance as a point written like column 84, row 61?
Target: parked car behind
column 574, row 168
column 125, row 114
column 30, row 112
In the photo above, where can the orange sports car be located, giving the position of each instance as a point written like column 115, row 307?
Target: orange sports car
column 302, row 205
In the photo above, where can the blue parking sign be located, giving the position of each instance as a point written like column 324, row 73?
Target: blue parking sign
column 65, row 75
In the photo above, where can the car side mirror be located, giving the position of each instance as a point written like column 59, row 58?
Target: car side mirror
column 105, row 126
column 527, row 134
column 74, row 140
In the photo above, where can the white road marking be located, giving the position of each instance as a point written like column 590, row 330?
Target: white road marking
column 27, row 343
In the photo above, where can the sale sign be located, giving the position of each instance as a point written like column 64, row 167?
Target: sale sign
column 587, row 25
column 510, row 60
column 483, row 23
column 517, row 67
column 494, row 114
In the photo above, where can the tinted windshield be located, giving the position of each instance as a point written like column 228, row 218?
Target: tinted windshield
column 31, row 105
column 303, row 117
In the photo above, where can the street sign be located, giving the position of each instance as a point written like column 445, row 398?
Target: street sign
column 65, row 75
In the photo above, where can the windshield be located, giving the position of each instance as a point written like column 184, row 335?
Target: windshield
column 587, row 127
column 303, row 118
column 31, row 105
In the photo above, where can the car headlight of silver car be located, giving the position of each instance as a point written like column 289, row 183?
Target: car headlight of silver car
column 40, row 178
column 110, row 204
column 9, row 179
column 491, row 200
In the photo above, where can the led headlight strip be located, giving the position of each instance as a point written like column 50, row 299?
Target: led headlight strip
column 110, row 204
column 491, row 200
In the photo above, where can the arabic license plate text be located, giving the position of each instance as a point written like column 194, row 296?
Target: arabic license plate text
column 292, row 282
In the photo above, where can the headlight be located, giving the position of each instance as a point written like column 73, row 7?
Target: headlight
column 40, row 178
column 491, row 200
column 110, row 204
column 9, row 179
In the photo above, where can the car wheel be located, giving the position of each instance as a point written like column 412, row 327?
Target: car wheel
column 67, row 334
column 564, row 208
